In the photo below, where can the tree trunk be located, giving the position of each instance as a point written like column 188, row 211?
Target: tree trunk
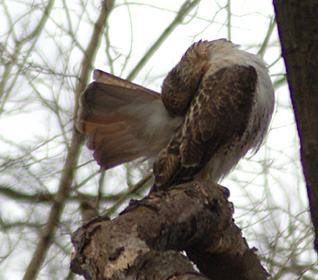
column 298, row 30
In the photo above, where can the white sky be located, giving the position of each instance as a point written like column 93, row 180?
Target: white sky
column 250, row 20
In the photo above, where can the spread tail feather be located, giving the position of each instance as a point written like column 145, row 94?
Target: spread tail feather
column 123, row 121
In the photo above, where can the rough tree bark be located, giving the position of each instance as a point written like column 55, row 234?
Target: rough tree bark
column 143, row 242
column 298, row 30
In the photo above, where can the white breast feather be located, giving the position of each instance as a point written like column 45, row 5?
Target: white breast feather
column 225, row 55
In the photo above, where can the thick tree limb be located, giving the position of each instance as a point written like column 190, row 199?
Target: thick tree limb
column 195, row 217
column 298, row 29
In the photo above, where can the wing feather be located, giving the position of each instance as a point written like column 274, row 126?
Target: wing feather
column 219, row 113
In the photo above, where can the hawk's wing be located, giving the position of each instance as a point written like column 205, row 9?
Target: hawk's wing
column 123, row 120
column 218, row 115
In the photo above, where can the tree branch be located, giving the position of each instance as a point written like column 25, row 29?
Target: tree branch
column 72, row 155
column 158, row 265
column 186, row 7
column 195, row 217
column 34, row 35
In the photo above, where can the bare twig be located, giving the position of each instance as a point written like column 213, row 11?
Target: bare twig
column 33, row 36
column 46, row 197
column 270, row 30
column 72, row 155
column 126, row 195
column 229, row 20
column 187, row 6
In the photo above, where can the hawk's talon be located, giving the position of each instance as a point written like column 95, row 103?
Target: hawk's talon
column 224, row 190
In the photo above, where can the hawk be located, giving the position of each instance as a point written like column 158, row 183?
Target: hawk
column 216, row 105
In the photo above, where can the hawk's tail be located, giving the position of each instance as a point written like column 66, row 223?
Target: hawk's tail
column 123, row 121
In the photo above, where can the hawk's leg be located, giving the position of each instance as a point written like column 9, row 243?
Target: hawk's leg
column 206, row 176
column 225, row 190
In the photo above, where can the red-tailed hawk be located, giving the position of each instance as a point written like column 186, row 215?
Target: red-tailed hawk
column 216, row 104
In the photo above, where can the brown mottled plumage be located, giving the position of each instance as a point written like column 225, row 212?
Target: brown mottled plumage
column 216, row 104
column 208, row 128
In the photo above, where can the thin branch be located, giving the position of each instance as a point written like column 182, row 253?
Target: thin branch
column 187, row 6
column 34, row 35
column 130, row 191
column 229, row 19
column 25, row 197
column 72, row 155
column 270, row 30
column 45, row 197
